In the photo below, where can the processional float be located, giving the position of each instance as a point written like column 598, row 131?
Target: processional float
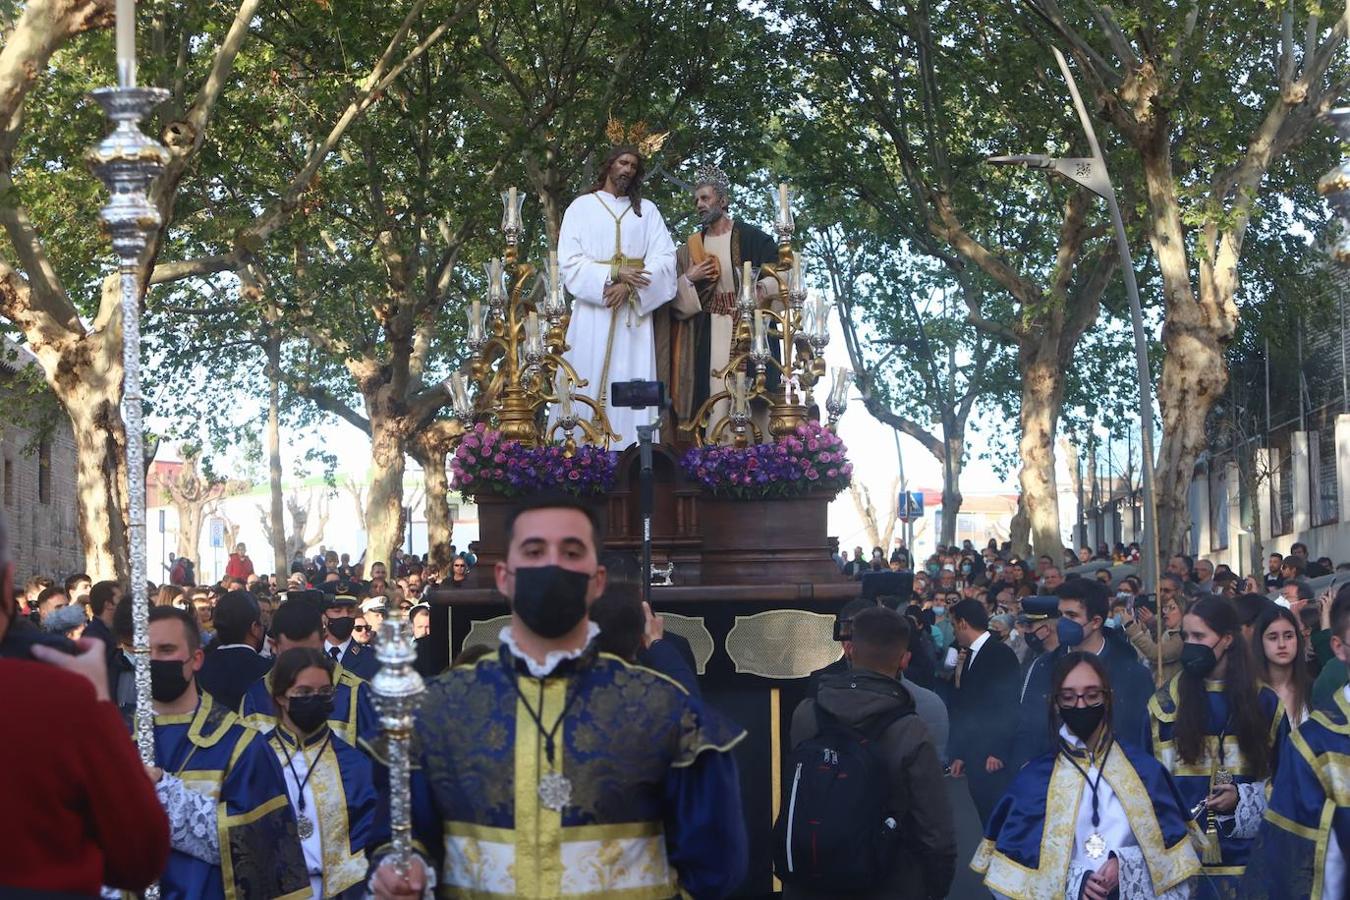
column 516, row 337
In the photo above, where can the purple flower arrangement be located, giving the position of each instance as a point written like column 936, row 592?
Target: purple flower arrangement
column 486, row 463
column 810, row 460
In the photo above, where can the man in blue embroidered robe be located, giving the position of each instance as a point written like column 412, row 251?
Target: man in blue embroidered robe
column 1306, row 836
column 551, row 769
column 298, row 622
column 214, row 773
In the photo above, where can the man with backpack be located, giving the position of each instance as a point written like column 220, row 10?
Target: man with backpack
column 865, row 810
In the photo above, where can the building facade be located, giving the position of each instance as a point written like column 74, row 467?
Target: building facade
column 38, row 497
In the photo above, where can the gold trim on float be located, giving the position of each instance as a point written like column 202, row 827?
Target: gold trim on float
column 776, row 762
column 785, row 644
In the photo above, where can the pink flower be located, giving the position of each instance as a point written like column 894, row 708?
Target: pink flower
column 833, row 473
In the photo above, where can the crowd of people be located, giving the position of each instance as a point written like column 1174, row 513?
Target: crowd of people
column 1114, row 743
column 1205, row 689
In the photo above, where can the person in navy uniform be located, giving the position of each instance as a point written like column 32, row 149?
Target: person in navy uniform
column 339, row 616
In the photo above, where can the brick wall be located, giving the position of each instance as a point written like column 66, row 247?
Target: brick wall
column 37, row 483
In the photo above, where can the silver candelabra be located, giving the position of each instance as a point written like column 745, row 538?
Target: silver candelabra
column 397, row 690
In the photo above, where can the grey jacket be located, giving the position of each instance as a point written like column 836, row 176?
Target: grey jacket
column 927, row 858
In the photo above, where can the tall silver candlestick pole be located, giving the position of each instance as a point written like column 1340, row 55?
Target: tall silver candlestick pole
column 1335, row 187
column 128, row 162
column 397, row 690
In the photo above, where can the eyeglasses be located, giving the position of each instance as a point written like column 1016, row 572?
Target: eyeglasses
column 360, row 628
column 1091, row 696
column 460, row 566
column 325, row 692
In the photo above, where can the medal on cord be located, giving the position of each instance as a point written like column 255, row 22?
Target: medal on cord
column 555, row 788
column 1095, row 845
column 303, row 823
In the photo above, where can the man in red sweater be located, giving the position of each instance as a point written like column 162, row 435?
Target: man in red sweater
column 83, row 811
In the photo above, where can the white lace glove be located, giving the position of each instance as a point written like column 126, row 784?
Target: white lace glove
column 1246, row 819
column 192, row 820
column 1137, row 884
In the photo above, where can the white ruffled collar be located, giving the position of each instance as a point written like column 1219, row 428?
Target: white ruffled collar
column 554, row 658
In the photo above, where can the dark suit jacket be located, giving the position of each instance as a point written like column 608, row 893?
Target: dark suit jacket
column 1131, row 687
column 360, row 660
column 984, row 708
column 227, row 673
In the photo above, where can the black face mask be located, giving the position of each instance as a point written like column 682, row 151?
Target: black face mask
column 167, row 681
column 1198, row 660
column 550, row 600
column 1082, row 721
column 1034, row 643
column 309, row 712
column 341, row 628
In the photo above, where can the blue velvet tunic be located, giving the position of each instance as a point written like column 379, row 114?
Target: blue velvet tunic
column 1309, row 802
column 1225, row 878
column 215, row 754
column 1029, row 838
column 343, row 785
column 655, row 799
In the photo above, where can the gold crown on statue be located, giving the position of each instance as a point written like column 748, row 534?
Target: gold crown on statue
column 638, row 135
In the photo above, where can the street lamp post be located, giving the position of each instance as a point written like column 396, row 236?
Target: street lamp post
column 1091, row 173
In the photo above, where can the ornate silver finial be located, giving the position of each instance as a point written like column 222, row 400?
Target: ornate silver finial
column 397, row 690
column 712, row 175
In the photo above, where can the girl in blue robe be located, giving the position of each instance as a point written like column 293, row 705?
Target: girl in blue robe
column 329, row 782
column 1095, row 818
column 1306, row 835
column 1215, row 728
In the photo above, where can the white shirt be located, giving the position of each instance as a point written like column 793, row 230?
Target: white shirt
column 312, row 846
column 341, row 648
column 975, row 646
column 1112, row 823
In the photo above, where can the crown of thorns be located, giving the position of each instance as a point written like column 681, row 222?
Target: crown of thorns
column 712, row 175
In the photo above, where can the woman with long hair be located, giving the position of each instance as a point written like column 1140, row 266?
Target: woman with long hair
column 1279, row 648
column 1215, row 727
column 1095, row 818
column 329, row 782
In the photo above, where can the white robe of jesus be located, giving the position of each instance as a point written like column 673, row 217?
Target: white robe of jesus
column 586, row 252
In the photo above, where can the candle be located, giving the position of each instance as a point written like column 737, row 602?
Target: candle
column 554, row 273
column 747, row 285
column 797, row 283
column 495, row 276
column 126, row 43
column 783, row 198
column 476, row 320
column 512, row 214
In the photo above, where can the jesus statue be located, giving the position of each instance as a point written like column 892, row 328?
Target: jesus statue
column 618, row 262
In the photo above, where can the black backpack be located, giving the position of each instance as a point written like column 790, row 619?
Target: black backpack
column 835, row 831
